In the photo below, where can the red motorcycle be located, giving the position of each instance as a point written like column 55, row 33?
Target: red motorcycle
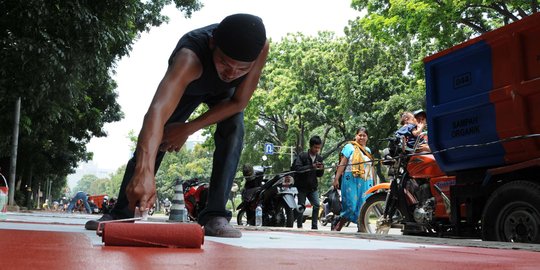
column 195, row 196
column 417, row 198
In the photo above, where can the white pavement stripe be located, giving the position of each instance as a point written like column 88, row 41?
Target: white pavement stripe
column 283, row 240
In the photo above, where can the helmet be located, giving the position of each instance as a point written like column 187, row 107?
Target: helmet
column 419, row 112
column 247, row 170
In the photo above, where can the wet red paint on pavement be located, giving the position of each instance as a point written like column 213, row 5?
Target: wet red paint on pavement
column 24, row 249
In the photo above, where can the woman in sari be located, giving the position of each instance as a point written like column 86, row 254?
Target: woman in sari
column 356, row 171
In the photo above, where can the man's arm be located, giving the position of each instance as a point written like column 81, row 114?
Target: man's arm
column 186, row 67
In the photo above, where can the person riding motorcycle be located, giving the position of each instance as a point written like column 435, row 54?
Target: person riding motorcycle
column 167, row 206
column 412, row 130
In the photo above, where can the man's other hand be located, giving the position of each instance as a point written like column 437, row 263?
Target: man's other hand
column 174, row 137
column 141, row 191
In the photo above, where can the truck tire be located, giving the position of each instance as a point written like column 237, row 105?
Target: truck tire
column 512, row 213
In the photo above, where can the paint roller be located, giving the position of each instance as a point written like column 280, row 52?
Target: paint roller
column 173, row 235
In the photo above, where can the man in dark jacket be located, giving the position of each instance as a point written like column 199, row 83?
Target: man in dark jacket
column 309, row 166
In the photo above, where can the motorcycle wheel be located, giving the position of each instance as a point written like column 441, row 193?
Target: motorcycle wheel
column 284, row 215
column 512, row 213
column 241, row 218
column 324, row 219
column 371, row 211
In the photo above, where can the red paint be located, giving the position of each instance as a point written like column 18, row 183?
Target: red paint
column 153, row 235
column 516, row 86
column 55, row 250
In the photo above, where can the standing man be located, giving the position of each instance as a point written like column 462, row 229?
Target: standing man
column 219, row 65
column 310, row 166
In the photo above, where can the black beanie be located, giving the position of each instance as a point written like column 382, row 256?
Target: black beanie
column 241, row 37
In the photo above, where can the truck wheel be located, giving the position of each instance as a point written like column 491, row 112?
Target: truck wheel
column 512, row 213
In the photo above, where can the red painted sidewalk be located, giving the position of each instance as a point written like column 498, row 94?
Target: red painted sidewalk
column 24, row 249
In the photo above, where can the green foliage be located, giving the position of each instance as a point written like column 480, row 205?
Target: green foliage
column 113, row 186
column 58, row 56
column 85, row 183
column 300, row 91
column 443, row 23
column 186, row 164
column 410, row 31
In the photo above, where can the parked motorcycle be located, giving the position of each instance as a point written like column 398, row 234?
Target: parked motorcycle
column 416, row 200
column 195, row 196
column 276, row 196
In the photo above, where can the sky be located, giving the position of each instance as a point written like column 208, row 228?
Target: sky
column 139, row 74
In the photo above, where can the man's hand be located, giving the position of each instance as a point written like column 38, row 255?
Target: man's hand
column 141, row 190
column 318, row 165
column 174, row 137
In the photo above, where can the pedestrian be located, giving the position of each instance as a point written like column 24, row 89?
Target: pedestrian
column 219, row 65
column 309, row 166
column 356, row 171
column 79, row 196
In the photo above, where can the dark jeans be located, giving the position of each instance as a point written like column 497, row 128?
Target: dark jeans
column 228, row 139
column 79, row 196
column 313, row 198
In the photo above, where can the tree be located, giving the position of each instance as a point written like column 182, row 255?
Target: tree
column 185, row 164
column 113, row 186
column 413, row 30
column 296, row 95
column 58, row 56
column 330, row 86
column 445, row 23
column 85, row 183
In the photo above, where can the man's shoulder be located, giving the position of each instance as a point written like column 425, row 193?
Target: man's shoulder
column 304, row 156
column 197, row 41
column 206, row 30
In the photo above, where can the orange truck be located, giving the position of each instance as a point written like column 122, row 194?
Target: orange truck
column 98, row 200
column 483, row 115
